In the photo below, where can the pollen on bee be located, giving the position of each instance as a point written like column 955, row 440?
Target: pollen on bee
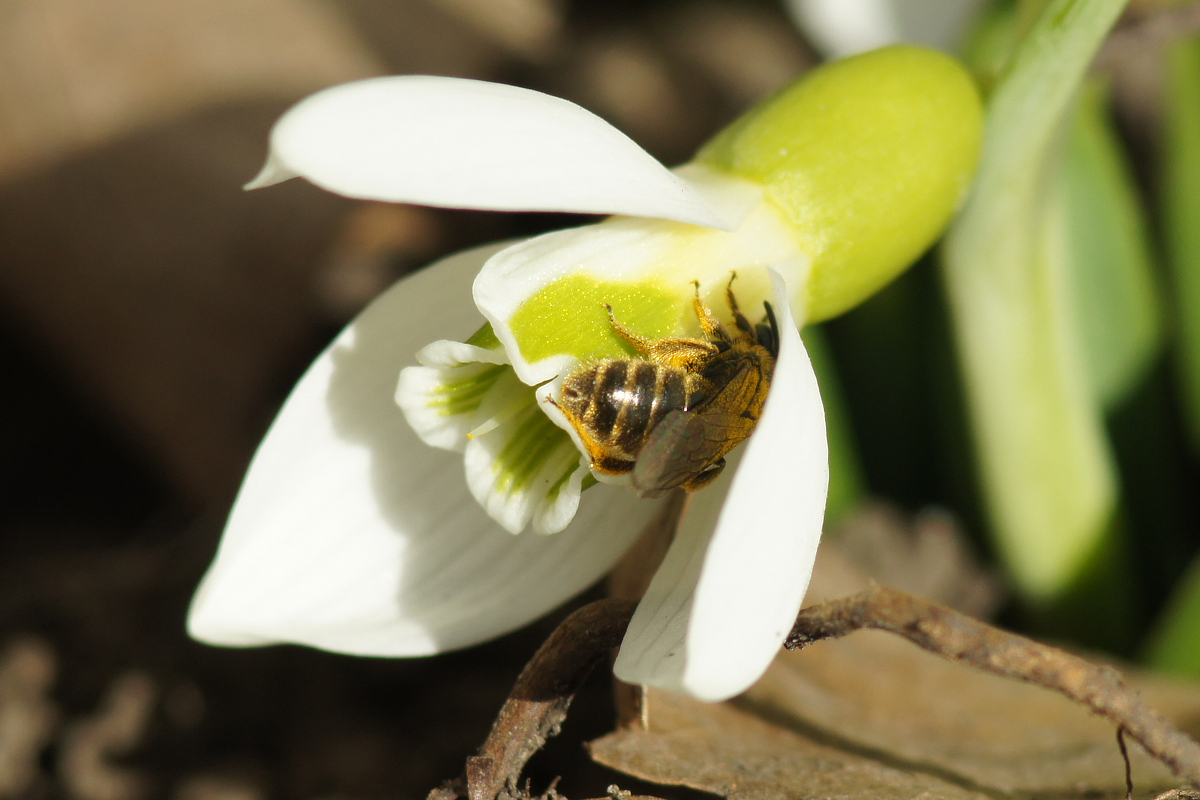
column 667, row 417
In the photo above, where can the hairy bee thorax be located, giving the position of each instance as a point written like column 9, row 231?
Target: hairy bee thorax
column 669, row 417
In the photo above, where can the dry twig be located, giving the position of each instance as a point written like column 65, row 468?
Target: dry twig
column 538, row 704
column 960, row 638
column 1184, row 793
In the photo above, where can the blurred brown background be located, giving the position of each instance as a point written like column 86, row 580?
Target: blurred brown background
column 153, row 317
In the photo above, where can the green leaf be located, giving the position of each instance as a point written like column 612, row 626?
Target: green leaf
column 1181, row 182
column 1175, row 644
column 1047, row 469
column 1116, row 298
column 846, row 485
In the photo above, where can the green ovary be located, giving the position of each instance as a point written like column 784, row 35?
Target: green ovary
column 868, row 157
column 485, row 337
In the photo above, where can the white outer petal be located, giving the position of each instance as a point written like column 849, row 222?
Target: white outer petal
column 472, row 144
column 351, row 535
column 729, row 589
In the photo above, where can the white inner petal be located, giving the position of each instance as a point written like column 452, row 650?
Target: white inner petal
column 526, row 468
column 629, row 249
column 448, row 405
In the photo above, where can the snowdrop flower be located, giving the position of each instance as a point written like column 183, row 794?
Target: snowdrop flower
column 361, row 532
column 844, row 27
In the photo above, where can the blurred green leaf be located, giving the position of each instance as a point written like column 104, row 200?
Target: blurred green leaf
column 1116, row 300
column 1175, row 642
column 1046, row 465
column 1181, row 206
column 1174, row 645
column 1107, row 246
column 846, row 485
column 991, row 44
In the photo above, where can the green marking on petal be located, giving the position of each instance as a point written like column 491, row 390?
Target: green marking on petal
column 522, row 457
column 464, row 396
column 557, row 487
column 485, row 338
column 568, row 316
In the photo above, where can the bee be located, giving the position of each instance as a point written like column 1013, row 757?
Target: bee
column 667, row 418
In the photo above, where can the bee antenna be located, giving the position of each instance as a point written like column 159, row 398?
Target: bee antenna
column 774, row 327
column 771, row 316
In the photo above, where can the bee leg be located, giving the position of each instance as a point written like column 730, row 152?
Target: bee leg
column 743, row 324
column 640, row 343
column 706, row 477
column 708, row 323
column 689, row 354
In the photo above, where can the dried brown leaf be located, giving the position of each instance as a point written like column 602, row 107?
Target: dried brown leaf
column 994, row 732
column 76, row 73
column 928, row 557
column 27, row 714
column 126, row 130
column 875, row 692
column 723, row 749
column 531, row 29
column 748, row 51
column 89, row 745
column 871, row 715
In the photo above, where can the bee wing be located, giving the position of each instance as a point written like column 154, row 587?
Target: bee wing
column 686, row 443
column 682, row 445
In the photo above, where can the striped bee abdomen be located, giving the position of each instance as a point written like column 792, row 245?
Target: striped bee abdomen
column 666, row 420
column 620, row 402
